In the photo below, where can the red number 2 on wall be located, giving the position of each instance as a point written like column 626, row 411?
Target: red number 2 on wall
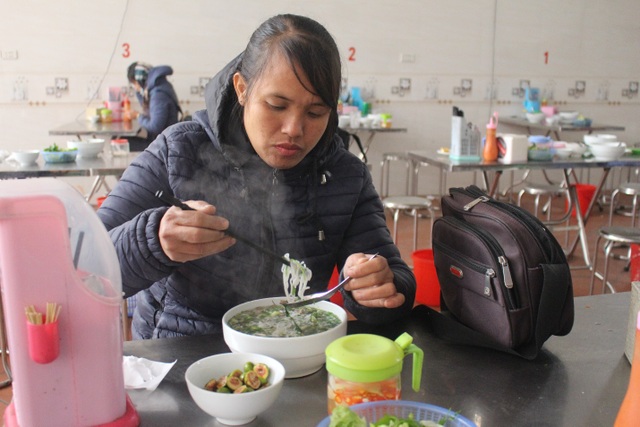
column 352, row 54
column 126, row 50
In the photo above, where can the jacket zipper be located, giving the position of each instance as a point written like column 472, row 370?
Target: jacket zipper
column 497, row 252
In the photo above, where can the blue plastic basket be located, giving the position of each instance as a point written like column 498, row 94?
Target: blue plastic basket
column 373, row 411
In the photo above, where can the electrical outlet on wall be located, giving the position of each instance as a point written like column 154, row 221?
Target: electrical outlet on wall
column 202, row 82
column 62, row 84
column 368, row 90
column 492, row 90
column 20, row 86
column 432, row 89
column 93, row 86
column 603, row 91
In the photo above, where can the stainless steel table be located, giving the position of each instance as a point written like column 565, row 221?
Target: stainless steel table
column 371, row 132
column 446, row 164
column 556, row 129
column 99, row 167
column 578, row 380
column 81, row 127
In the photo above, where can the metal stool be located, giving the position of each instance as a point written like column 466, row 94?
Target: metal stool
column 614, row 236
column 540, row 190
column 414, row 204
column 385, row 166
column 631, row 189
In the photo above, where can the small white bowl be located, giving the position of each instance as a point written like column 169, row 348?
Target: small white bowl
column 300, row 355
column 606, row 151
column 27, row 157
column 598, row 138
column 535, row 117
column 607, row 137
column 229, row 408
column 344, row 121
column 568, row 116
column 87, row 149
column 563, row 152
column 577, row 148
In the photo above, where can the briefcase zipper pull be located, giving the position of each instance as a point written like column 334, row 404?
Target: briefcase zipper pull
column 508, row 281
column 487, row 281
column 474, row 202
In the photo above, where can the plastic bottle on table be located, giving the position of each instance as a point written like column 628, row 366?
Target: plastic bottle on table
column 490, row 151
column 126, row 110
column 629, row 413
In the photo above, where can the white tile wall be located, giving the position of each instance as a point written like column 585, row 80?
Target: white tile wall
column 450, row 40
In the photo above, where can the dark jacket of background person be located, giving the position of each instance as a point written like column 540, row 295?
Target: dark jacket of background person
column 162, row 109
column 209, row 158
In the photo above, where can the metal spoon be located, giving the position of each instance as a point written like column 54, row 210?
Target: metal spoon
column 321, row 296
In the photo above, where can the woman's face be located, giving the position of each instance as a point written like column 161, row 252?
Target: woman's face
column 283, row 120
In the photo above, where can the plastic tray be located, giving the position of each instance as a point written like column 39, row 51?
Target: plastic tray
column 373, row 411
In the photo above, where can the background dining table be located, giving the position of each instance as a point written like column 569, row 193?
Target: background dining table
column 577, row 380
column 568, row 166
column 557, row 128
column 99, row 167
column 86, row 128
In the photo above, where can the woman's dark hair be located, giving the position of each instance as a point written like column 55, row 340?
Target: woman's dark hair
column 308, row 47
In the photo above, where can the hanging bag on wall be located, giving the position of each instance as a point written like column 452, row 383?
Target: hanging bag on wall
column 504, row 278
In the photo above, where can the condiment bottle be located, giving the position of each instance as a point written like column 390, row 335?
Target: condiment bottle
column 366, row 368
column 490, row 151
column 126, row 110
column 629, row 413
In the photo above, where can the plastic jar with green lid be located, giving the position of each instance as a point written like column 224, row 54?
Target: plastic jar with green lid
column 366, row 368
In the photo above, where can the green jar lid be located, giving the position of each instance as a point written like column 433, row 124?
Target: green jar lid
column 364, row 358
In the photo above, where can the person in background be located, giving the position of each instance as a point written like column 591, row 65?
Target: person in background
column 158, row 99
column 262, row 159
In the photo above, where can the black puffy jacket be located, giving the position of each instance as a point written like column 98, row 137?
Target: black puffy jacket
column 329, row 192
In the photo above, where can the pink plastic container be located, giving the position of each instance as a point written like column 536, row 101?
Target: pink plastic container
column 44, row 342
column 549, row 110
column 54, row 249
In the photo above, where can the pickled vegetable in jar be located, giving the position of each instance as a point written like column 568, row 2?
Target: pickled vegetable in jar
column 367, row 368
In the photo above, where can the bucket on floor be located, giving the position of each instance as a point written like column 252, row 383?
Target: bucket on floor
column 634, row 263
column 428, row 287
column 585, row 194
column 100, row 200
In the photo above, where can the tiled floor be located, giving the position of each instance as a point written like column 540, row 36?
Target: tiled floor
column 618, row 275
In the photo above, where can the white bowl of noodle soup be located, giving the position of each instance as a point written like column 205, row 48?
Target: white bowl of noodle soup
column 300, row 355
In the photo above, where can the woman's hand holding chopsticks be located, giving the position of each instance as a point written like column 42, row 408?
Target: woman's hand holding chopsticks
column 186, row 235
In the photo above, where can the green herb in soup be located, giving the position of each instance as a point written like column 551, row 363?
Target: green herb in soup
column 275, row 321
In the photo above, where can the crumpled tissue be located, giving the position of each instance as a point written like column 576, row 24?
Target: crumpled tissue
column 140, row 373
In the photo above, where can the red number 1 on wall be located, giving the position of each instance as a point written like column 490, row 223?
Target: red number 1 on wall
column 546, row 57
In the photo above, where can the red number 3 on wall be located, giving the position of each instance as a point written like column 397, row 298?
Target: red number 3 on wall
column 126, row 50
